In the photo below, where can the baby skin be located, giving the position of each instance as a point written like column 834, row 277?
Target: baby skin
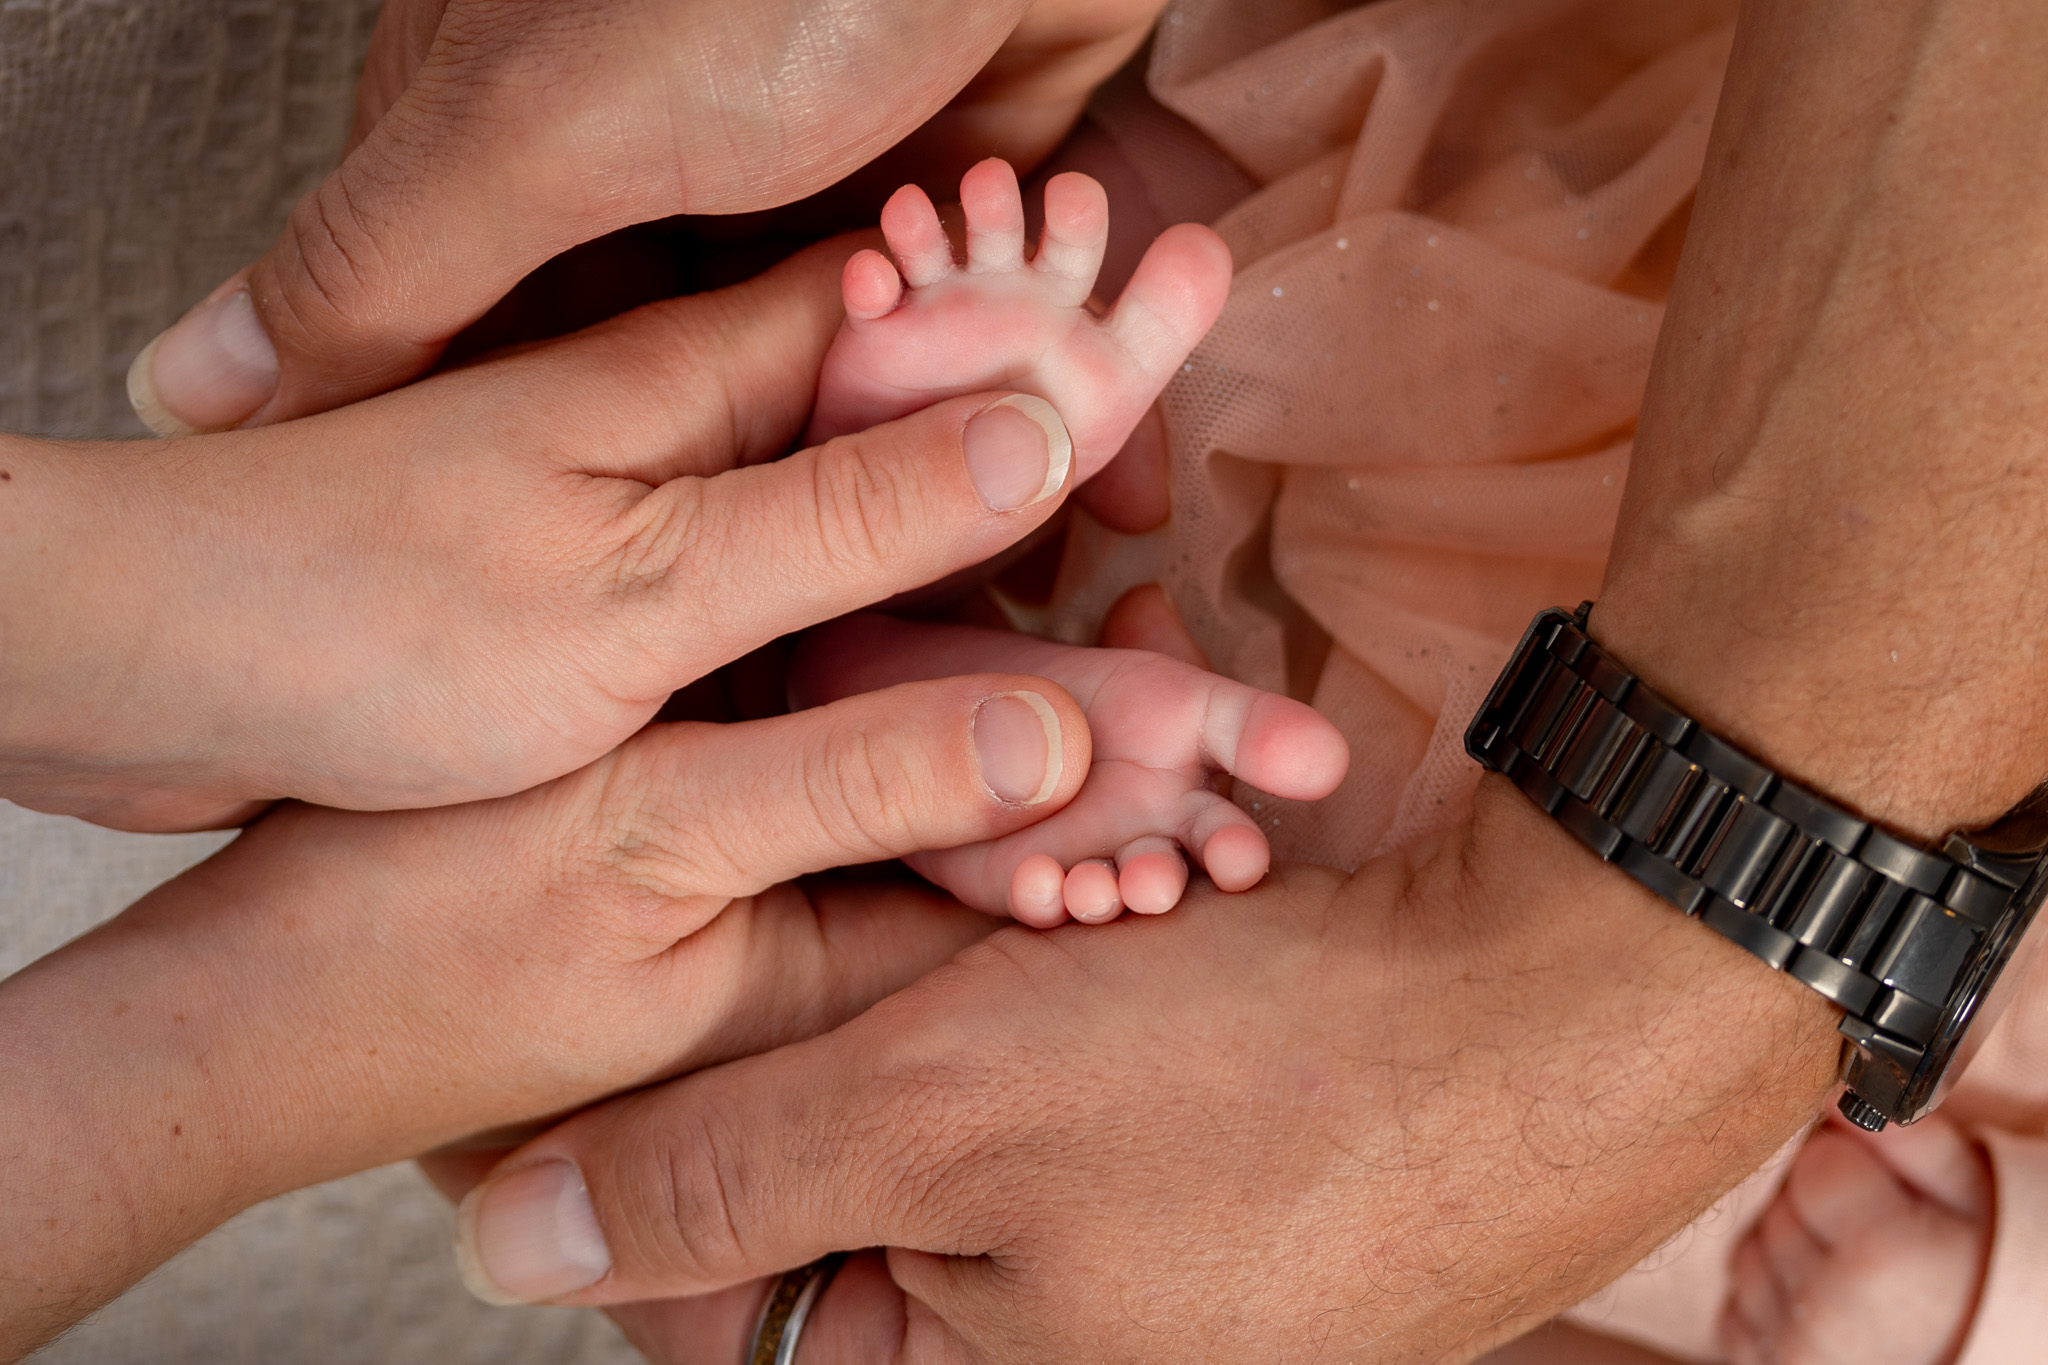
column 1874, row 1249
column 1165, row 733
column 926, row 327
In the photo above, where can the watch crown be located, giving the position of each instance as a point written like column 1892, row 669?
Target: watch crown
column 1860, row 1112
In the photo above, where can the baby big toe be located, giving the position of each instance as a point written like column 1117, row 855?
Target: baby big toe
column 1151, row 875
column 1289, row 749
column 1173, row 298
column 1076, row 233
column 995, row 217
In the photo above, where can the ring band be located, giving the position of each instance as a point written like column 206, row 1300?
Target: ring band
column 781, row 1324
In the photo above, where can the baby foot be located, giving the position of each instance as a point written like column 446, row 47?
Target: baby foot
column 936, row 330
column 1873, row 1250
column 1163, row 733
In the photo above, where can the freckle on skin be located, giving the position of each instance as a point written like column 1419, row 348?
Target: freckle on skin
column 177, row 1130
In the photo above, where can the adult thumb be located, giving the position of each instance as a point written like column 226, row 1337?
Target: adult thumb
column 532, row 130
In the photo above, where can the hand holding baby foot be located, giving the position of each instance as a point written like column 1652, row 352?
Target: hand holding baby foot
column 1163, row 732
column 925, row 328
column 1874, row 1250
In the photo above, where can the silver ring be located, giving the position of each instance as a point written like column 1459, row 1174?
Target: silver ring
column 781, row 1324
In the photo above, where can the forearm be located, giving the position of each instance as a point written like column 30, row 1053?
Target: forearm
column 1840, row 485
column 115, row 1146
column 336, row 990
column 259, row 1024
column 1825, row 554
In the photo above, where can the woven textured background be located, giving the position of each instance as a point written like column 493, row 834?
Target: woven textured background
column 148, row 148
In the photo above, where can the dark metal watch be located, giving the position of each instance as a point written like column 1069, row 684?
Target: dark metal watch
column 1911, row 943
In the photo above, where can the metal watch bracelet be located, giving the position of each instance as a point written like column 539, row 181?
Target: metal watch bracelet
column 1883, row 929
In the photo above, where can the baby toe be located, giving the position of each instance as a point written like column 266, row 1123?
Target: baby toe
column 1289, row 749
column 870, row 286
column 1754, row 1296
column 1173, row 298
column 995, row 216
column 1236, row 857
column 911, row 226
column 1038, row 892
column 1228, row 845
column 1076, row 233
column 1151, row 875
column 1091, row 892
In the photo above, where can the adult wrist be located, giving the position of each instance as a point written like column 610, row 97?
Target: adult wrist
column 83, row 627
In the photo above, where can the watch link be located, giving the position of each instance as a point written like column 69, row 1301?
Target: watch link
column 1911, row 943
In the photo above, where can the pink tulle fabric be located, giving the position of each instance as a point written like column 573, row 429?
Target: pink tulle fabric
column 1454, row 223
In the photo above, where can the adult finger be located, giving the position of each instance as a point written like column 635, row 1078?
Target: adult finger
column 717, row 1179
column 836, row 527
column 861, row 1318
column 528, row 130
column 922, row 1124
column 924, row 765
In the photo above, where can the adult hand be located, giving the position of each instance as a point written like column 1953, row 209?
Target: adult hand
column 1329, row 1118
column 1403, row 1115
column 492, row 137
column 336, row 990
column 476, row 584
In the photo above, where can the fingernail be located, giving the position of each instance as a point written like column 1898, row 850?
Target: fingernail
column 1017, row 739
column 213, row 367
column 530, row 1236
column 1018, row 452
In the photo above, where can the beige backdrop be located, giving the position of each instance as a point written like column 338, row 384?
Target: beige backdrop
column 147, row 149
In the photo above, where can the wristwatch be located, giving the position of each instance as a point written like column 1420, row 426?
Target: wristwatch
column 1911, row 943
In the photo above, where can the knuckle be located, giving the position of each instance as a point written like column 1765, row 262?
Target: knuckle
column 664, row 529
column 673, row 552
column 333, row 261
column 864, row 792
column 674, row 871
column 704, row 1181
column 865, row 510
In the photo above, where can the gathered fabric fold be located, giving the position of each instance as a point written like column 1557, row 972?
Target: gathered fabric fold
column 1454, row 224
